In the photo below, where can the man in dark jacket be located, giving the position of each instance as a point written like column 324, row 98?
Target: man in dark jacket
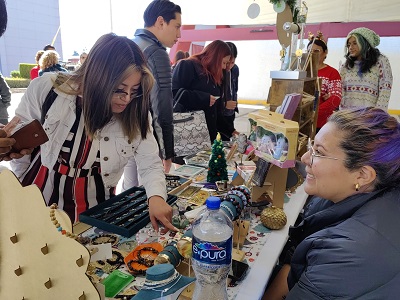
column 162, row 23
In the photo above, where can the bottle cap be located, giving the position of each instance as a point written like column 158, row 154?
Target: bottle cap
column 213, row 203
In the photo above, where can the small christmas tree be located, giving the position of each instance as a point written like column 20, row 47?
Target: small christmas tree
column 217, row 164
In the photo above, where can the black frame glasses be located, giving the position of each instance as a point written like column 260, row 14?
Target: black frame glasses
column 121, row 94
column 313, row 154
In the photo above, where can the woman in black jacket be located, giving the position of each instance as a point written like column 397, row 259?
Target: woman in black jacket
column 201, row 75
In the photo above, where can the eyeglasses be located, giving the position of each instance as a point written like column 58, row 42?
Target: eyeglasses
column 313, row 154
column 121, row 94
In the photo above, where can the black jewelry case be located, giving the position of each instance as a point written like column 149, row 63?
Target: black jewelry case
column 124, row 214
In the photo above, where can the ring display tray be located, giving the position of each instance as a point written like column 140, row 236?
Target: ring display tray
column 123, row 214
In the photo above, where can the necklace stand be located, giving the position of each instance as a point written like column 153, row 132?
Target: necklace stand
column 38, row 261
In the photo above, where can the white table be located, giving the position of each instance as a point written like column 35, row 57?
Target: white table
column 253, row 286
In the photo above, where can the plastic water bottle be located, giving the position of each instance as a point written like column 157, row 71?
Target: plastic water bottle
column 212, row 252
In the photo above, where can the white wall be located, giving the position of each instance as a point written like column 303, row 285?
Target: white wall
column 257, row 58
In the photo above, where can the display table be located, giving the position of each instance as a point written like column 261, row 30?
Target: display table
column 262, row 248
column 254, row 284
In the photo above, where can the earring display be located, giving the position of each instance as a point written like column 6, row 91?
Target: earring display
column 37, row 260
column 124, row 214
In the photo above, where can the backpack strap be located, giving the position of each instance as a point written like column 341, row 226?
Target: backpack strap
column 48, row 102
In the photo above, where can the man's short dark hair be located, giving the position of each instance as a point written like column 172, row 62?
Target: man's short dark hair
column 3, row 17
column 163, row 8
column 49, row 47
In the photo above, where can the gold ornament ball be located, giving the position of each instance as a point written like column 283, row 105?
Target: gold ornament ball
column 273, row 217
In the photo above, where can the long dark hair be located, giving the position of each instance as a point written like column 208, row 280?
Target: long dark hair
column 211, row 59
column 3, row 17
column 110, row 61
column 369, row 55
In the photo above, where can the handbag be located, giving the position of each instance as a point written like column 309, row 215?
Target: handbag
column 190, row 129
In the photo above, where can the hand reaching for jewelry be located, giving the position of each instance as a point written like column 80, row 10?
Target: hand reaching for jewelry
column 160, row 211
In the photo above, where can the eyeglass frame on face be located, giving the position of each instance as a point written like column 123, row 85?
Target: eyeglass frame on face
column 121, row 94
column 312, row 153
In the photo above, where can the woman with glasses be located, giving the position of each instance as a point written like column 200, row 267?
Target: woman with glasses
column 347, row 245
column 98, row 121
column 331, row 85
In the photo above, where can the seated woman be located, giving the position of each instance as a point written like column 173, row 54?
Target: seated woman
column 353, row 169
column 99, row 120
column 201, row 76
column 49, row 62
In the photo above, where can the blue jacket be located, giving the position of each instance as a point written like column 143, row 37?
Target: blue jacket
column 348, row 250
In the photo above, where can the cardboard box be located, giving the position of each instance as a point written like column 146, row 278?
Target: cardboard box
column 276, row 139
column 289, row 105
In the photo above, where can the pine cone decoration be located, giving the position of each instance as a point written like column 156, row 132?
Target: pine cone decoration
column 273, row 217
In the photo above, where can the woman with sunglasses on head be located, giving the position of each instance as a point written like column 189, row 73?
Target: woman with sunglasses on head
column 98, row 121
column 331, row 85
column 353, row 171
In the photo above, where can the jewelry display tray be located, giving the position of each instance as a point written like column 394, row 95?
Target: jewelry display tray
column 124, row 214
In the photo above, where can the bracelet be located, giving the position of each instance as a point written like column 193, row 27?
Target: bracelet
column 119, row 259
column 229, row 210
column 162, row 259
column 105, row 238
column 136, row 271
column 235, row 203
column 177, row 260
column 147, row 261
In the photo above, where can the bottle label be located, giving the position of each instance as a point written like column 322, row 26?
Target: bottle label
column 212, row 253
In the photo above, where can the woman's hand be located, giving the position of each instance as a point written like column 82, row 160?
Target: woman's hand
column 5, row 142
column 230, row 104
column 160, row 211
column 213, row 99
column 5, row 148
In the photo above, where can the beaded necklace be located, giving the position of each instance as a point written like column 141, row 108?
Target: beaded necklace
column 53, row 218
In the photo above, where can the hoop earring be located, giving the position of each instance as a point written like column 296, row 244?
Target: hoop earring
column 357, row 187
